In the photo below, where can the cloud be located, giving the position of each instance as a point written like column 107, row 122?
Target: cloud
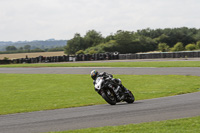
column 61, row 19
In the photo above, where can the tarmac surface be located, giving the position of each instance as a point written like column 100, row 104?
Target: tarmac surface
column 195, row 71
column 173, row 107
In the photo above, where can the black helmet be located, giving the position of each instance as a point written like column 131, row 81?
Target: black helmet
column 94, row 74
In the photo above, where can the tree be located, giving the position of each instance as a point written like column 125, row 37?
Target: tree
column 198, row 45
column 124, row 37
column 21, row 48
column 109, row 38
column 27, row 47
column 197, row 36
column 37, row 50
column 11, row 48
column 93, row 38
column 178, row 47
column 146, row 44
column 162, row 39
column 75, row 44
column 110, row 46
column 125, row 41
column 133, row 42
column 163, row 47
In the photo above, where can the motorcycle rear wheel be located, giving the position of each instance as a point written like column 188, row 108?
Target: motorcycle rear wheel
column 109, row 97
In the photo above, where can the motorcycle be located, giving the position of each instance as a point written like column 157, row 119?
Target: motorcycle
column 111, row 92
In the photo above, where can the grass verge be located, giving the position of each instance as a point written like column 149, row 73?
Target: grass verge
column 32, row 92
column 186, row 125
column 113, row 64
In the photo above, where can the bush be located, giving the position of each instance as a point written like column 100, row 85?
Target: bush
column 178, row 47
column 92, row 51
column 79, row 52
column 95, row 49
column 163, row 47
column 190, row 47
column 198, row 45
column 5, row 58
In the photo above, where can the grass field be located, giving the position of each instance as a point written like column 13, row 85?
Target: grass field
column 32, row 92
column 30, row 55
column 113, row 64
column 186, row 125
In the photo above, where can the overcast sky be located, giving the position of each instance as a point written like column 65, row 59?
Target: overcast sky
column 60, row 19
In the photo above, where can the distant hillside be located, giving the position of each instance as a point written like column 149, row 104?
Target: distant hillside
column 42, row 44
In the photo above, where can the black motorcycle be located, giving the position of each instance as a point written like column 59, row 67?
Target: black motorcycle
column 111, row 92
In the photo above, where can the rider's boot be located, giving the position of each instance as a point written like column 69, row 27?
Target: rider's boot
column 124, row 89
column 121, row 88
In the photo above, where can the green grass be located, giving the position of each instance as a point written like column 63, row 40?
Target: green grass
column 114, row 64
column 186, row 125
column 32, row 92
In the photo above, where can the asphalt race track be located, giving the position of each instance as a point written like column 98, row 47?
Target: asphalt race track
column 186, row 105
column 116, row 70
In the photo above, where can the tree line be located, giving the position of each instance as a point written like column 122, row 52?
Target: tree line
column 41, row 44
column 168, row 39
column 28, row 49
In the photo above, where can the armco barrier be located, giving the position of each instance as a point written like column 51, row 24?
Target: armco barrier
column 182, row 54
column 105, row 56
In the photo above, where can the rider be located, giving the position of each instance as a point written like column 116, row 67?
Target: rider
column 94, row 74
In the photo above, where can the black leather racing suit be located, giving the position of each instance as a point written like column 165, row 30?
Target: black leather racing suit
column 110, row 76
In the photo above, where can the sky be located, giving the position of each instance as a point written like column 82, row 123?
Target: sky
column 29, row 20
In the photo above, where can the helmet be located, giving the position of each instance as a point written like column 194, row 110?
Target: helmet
column 94, row 74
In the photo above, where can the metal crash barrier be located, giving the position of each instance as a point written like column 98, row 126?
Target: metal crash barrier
column 103, row 56
column 182, row 54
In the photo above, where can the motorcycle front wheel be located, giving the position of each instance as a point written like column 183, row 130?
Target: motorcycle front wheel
column 109, row 97
column 130, row 98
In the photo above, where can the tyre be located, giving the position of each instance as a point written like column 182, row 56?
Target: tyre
column 130, row 98
column 109, row 97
